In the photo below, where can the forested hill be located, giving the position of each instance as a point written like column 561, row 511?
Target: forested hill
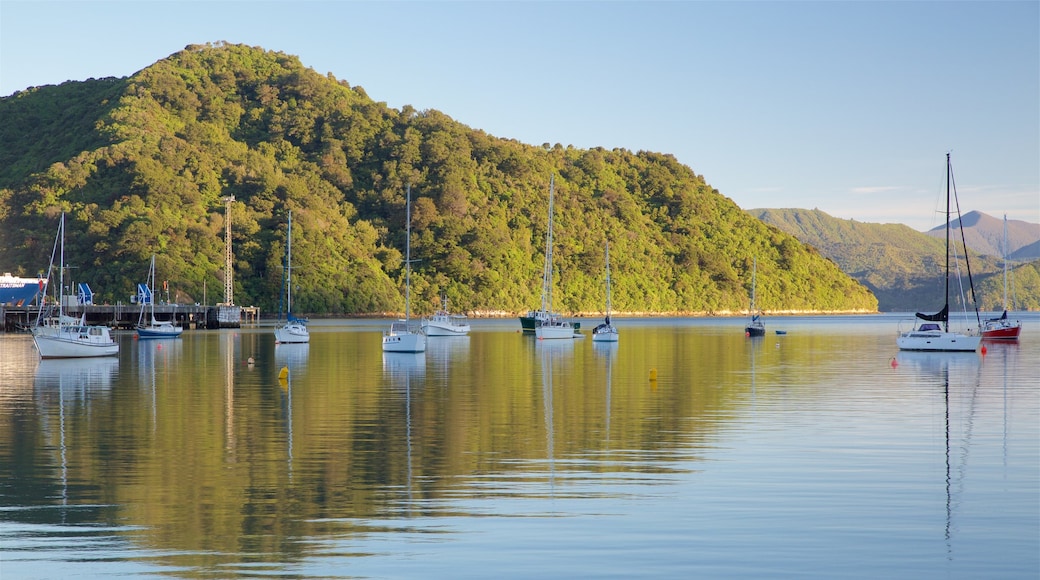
column 903, row 267
column 141, row 165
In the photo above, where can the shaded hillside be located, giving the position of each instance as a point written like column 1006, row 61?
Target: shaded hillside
column 1025, row 253
column 985, row 234
column 1023, row 288
column 146, row 168
column 903, row 267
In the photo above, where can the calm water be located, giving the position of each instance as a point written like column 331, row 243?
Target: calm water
column 823, row 453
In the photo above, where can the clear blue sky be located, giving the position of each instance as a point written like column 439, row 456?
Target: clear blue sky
column 849, row 107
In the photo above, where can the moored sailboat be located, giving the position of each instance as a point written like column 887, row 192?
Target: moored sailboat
column 153, row 328
column 606, row 332
column 933, row 333
column 295, row 329
column 755, row 326
column 403, row 335
column 1003, row 328
column 551, row 325
column 69, row 338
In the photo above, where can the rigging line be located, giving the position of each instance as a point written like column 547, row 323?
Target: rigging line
column 964, row 244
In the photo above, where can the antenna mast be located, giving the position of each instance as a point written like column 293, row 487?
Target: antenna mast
column 228, row 276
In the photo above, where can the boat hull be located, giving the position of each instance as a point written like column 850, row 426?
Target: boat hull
column 445, row 325
column 404, row 337
column 753, row 330
column 605, row 333
column 404, row 343
column 554, row 331
column 441, row 330
column 937, row 341
column 77, row 342
column 159, row 331
column 292, row 334
column 1008, row 331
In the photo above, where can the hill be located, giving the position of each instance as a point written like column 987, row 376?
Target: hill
column 985, row 234
column 904, row 268
column 142, row 164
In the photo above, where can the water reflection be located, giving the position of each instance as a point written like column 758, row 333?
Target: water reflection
column 495, row 447
column 936, row 369
column 73, row 382
column 607, row 351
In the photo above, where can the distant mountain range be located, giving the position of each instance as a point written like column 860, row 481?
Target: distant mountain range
column 985, row 234
column 904, row 267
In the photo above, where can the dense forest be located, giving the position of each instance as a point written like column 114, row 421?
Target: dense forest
column 904, row 268
column 141, row 166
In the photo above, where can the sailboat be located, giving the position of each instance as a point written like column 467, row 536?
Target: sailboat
column 550, row 325
column 68, row 337
column 534, row 318
column 295, row 329
column 929, row 335
column 1001, row 328
column 606, row 332
column 404, row 336
column 153, row 328
column 755, row 326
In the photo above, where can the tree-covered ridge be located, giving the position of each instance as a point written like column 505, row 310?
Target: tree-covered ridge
column 158, row 151
column 903, row 267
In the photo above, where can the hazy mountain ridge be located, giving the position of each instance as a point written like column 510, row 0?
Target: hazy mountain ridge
column 145, row 167
column 904, row 267
column 985, row 234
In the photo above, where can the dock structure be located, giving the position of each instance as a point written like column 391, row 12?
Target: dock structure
column 125, row 316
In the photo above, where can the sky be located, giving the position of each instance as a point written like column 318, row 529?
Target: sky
column 845, row 107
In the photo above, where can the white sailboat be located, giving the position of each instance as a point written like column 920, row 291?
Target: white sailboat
column 552, row 326
column 606, row 332
column 295, row 329
column 69, row 338
column 153, row 328
column 404, row 336
column 929, row 335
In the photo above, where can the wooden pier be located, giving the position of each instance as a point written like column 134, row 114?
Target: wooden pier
column 125, row 316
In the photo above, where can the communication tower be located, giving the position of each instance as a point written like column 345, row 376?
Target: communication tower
column 229, row 298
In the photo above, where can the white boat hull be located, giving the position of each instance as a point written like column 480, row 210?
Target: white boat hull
column 404, row 343
column 404, row 337
column 75, row 342
column 292, row 333
column 605, row 336
column 938, row 341
column 554, row 331
column 445, row 325
column 438, row 330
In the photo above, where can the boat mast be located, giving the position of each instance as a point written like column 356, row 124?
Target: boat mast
column 608, row 280
column 754, row 275
column 547, row 269
column 408, row 254
column 61, row 273
column 151, row 299
column 946, row 319
column 1005, row 252
column 288, row 270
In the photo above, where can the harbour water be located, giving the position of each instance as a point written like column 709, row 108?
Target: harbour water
column 822, row 453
